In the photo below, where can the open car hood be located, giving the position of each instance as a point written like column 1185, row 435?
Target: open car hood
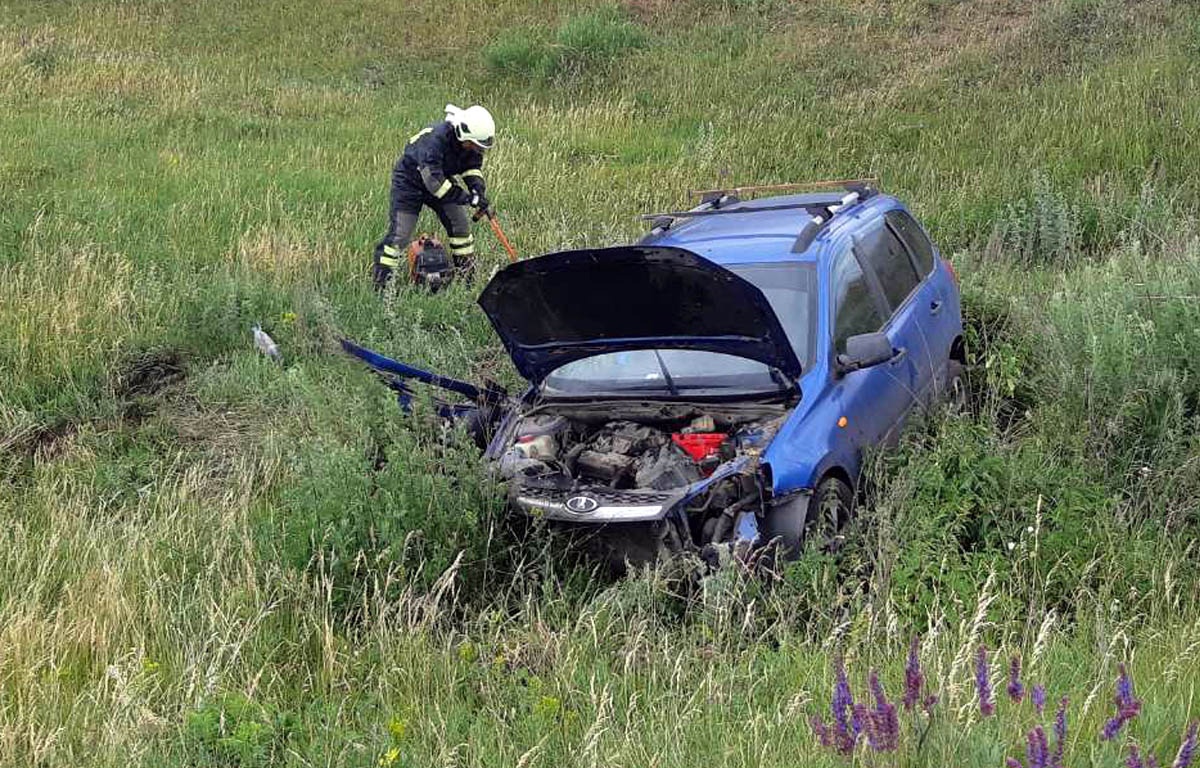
column 566, row 306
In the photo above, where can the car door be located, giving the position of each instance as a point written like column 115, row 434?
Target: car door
column 875, row 399
column 934, row 311
column 887, row 263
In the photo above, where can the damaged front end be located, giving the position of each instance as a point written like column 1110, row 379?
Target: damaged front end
column 644, row 481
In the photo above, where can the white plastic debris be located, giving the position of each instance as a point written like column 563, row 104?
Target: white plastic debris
column 266, row 344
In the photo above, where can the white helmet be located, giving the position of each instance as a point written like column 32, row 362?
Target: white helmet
column 473, row 124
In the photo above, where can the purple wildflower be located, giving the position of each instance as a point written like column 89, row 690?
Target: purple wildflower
column 868, row 724
column 888, row 730
column 928, row 703
column 1060, row 733
column 1037, row 753
column 841, row 734
column 913, row 678
column 883, row 727
column 1112, row 727
column 1187, row 750
column 859, row 720
column 1135, row 758
column 1016, row 690
column 845, row 725
column 1039, row 697
column 1128, row 707
column 1124, row 685
column 821, row 731
column 876, row 687
column 983, row 684
column 1012, row 762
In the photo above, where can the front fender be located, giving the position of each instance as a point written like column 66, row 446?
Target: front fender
column 801, row 454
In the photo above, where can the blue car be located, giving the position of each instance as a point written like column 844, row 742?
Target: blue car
column 717, row 382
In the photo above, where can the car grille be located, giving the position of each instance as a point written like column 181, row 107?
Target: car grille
column 605, row 496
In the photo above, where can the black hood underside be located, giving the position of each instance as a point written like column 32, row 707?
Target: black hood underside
column 570, row 305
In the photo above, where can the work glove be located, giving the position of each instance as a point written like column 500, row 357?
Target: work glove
column 458, row 196
column 475, row 183
column 477, row 187
column 478, row 201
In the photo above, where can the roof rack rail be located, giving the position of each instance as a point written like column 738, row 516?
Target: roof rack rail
column 713, row 203
column 820, row 219
column 821, row 207
column 847, row 184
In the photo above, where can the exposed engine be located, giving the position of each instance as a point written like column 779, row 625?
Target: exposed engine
column 687, row 476
column 618, row 454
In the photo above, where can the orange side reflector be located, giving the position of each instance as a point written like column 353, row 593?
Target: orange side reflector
column 842, row 422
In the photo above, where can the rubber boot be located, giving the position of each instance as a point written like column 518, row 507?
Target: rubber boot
column 387, row 257
column 380, row 275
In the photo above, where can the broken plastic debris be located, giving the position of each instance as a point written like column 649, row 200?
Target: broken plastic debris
column 266, row 344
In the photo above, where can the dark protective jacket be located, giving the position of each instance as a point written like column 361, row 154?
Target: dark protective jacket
column 433, row 160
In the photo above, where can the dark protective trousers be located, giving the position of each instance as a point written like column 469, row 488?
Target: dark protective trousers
column 390, row 253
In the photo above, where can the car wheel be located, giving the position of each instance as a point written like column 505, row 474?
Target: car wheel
column 956, row 387
column 829, row 509
column 783, row 528
column 811, row 520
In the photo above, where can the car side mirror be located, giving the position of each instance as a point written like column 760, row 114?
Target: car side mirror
column 864, row 351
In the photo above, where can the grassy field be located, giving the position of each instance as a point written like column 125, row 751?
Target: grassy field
column 207, row 559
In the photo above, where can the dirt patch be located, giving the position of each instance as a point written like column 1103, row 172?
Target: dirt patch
column 138, row 378
column 51, row 439
column 38, row 441
column 148, row 373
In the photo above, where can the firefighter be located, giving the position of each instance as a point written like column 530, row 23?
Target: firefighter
column 441, row 168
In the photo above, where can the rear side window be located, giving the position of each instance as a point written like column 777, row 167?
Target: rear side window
column 887, row 257
column 855, row 309
column 913, row 236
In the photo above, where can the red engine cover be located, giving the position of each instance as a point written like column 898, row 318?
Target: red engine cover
column 699, row 445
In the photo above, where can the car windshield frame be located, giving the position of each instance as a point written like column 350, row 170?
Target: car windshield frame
column 662, row 372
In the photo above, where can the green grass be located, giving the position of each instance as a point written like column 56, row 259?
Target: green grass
column 206, row 559
column 590, row 43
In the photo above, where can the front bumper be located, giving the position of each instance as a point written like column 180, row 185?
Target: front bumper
column 600, row 504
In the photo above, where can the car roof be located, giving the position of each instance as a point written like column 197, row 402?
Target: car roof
column 764, row 234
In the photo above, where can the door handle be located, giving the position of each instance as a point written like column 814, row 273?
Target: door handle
column 935, row 307
column 898, row 355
